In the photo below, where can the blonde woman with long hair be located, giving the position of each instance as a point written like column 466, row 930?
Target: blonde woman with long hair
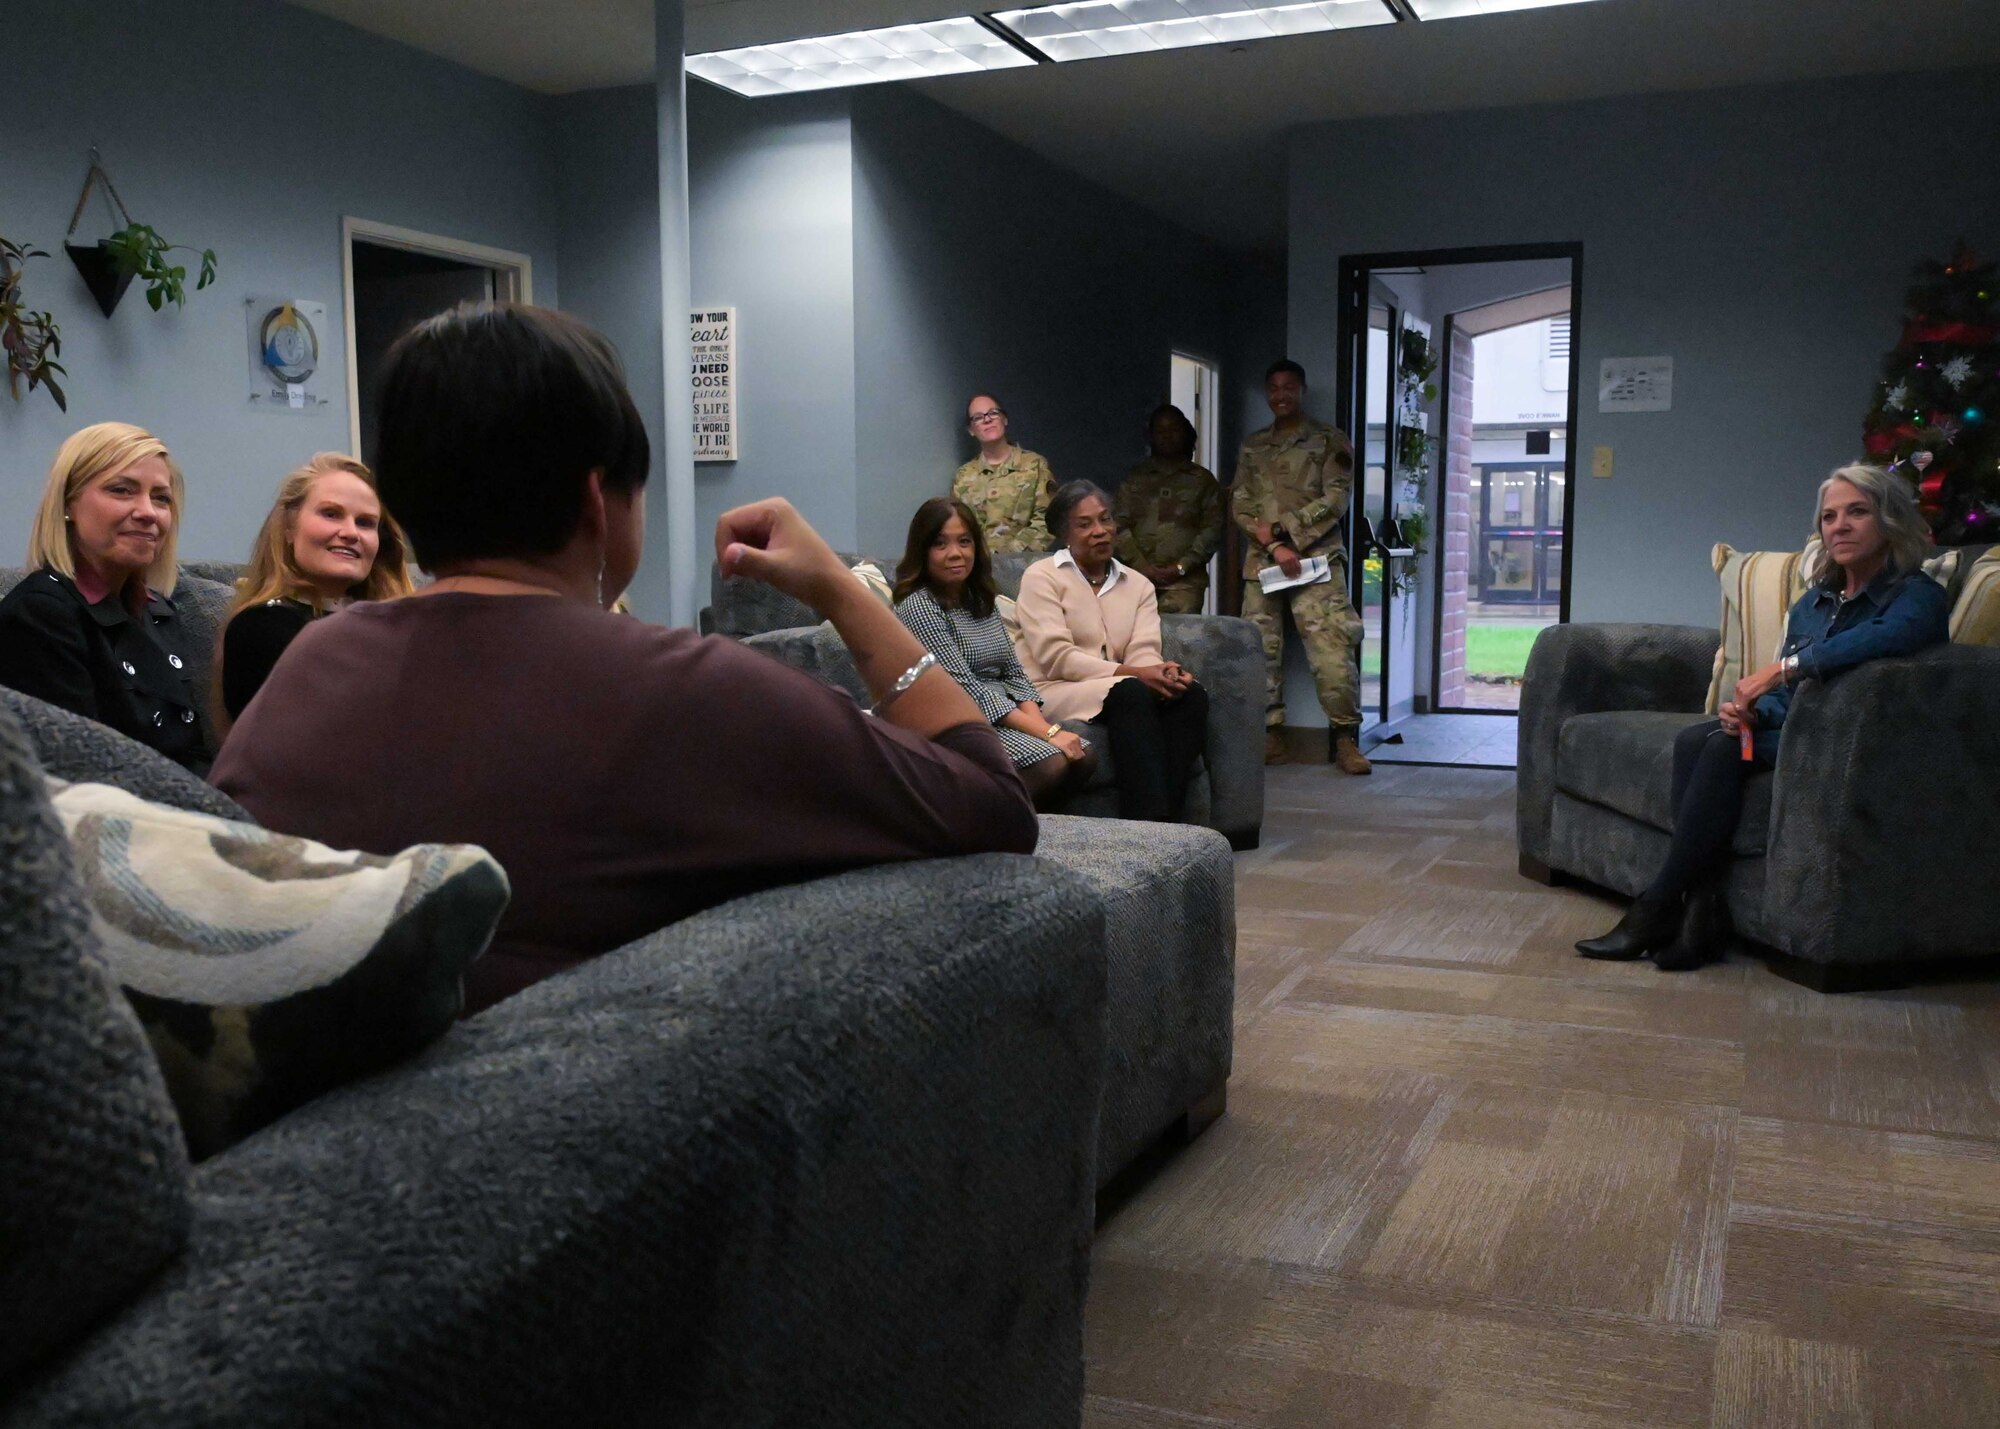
column 93, row 628
column 326, row 543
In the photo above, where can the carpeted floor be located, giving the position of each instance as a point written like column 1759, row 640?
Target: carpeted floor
column 1468, row 1179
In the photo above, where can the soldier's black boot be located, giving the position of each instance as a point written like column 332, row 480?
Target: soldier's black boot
column 1648, row 924
column 1704, row 931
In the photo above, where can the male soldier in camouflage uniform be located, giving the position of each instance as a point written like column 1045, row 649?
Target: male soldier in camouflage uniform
column 1007, row 487
column 1293, row 482
column 1169, row 515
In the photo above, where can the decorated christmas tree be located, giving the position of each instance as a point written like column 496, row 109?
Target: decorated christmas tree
column 1936, row 417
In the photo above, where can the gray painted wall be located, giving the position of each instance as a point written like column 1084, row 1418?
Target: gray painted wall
column 771, row 197
column 251, row 128
column 609, row 249
column 1741, row 232
column 979, row 266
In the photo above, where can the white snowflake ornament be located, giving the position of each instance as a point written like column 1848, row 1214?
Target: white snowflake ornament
column 1899, row 396
column 1957, row 372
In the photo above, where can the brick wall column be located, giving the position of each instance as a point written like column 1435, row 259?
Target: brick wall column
column 1454, row 524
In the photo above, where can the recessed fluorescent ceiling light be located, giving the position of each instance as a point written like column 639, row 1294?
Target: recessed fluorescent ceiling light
column 1452, row 9
column 1095, row 28
column 862, row 57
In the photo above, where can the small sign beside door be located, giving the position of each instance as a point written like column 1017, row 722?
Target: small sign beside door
column 713, row 333
column 1635, row 384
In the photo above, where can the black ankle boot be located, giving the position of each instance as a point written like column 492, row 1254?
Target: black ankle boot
column 1703, row 933
column 1648, row 924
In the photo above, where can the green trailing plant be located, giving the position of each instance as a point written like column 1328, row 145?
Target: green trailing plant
column 138, row 250
column 1416, row 364
column 30, row 339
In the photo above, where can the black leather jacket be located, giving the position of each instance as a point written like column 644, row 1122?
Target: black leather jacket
column 103, row 662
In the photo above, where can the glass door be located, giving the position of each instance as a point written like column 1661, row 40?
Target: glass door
column 1371, row 496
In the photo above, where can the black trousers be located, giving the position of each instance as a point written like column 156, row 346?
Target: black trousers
column 1709, row 770
column 1154, row 743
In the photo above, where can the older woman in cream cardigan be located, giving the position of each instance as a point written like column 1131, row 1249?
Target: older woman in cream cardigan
column 1090, row 642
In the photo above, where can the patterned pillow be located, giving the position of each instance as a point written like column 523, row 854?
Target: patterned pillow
column 1975, row 618
column 268, row 969
column 870, row 575
column 1759, row 589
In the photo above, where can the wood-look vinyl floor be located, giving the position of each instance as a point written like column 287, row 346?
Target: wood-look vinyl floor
column 1468, row 1180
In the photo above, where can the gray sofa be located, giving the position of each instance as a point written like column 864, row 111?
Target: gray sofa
column 1864, row 859
column 690, row 1182
column 1225, row 654
column 824, row 1153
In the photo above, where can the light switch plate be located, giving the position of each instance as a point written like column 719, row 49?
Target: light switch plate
column 1600, row 462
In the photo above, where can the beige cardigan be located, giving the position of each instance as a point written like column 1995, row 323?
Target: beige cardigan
column 1073, row 640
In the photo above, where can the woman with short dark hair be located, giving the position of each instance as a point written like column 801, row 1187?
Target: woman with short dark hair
column 1090, row 637
column 624, row 774
column 1867, row 598
column 946, row 596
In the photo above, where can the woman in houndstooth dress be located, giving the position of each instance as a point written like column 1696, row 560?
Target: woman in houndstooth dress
column 945, row 595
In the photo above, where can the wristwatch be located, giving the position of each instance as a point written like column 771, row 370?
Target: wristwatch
column 1790, row 667
column 1054, row 730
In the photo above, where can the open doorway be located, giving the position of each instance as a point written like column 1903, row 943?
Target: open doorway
column 394, row 277
column 1459, row 380
column 1194, row 386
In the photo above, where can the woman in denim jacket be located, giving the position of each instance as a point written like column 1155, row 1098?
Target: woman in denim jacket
column 1867, row 598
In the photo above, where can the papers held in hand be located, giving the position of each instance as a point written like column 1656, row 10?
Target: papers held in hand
column 1312, row 571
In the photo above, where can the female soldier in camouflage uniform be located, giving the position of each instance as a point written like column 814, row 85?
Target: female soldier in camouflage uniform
column 1008, row 487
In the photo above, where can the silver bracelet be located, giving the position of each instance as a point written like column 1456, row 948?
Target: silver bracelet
column 908, row 678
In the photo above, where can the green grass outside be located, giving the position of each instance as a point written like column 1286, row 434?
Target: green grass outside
column 1499, row 649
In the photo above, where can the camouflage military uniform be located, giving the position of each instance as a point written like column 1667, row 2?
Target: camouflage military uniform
column 1169, row 513
column 1010, row 499
column 1302, row 480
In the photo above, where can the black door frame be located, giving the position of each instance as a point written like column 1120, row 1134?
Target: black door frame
column 1350, row 399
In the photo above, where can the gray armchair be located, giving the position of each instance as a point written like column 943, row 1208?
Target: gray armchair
column 1864, row 858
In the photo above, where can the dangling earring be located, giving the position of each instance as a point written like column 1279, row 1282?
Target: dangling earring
column 600, row 582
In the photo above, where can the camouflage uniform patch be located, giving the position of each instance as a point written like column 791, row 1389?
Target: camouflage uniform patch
column 1169, row 513
column 1011, row 500
column 1302, row 480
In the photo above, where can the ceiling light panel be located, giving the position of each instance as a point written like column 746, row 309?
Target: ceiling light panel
column 860, row 57
column 1452, row 9
column 1092, row 29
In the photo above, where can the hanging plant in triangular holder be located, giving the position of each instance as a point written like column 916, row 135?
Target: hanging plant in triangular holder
column 101, row 274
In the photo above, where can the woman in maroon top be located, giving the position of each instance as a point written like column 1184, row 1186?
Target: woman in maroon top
column 624, row 774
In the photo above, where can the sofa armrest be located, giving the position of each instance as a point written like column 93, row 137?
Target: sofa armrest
column 827, row 1150
column 818, row 651
column 1226, row 654
column 1585, row 669
column 1883, row 820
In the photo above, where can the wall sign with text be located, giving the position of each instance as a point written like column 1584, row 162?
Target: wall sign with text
column 714, row 334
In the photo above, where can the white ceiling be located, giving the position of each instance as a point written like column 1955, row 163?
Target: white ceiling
column 1199, row 133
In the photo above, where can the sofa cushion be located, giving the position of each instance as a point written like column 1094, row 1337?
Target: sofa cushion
column 1624, row 760
column 94, row 1196
column 80, row 750
column 1975, row 615
column 269, row 969
column 1758, row 590
column 1169, row 897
